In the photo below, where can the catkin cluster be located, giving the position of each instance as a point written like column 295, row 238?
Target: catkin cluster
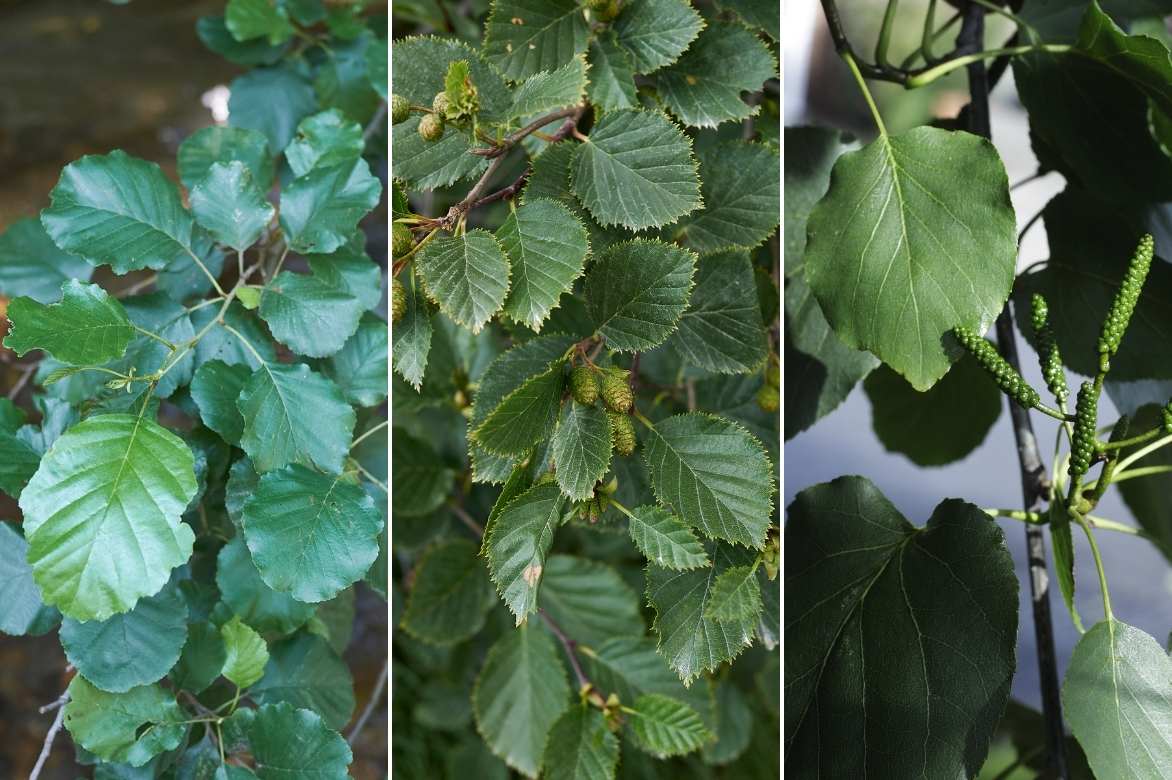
column 1010, row 382
column 1082, row 448
column 1125, row 300
column 1048, row 349
column 588, row 384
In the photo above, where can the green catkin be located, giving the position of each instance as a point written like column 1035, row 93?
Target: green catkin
column 1006, row 377
column 768, row 398
column 616, row 392
column 584, row 385
column 1125, row 300
column 400, row 109
column 622, row 433
column 398, row 300
column 401, row 240
column 1082, row 445
column 1048, row 349
column 440, row 104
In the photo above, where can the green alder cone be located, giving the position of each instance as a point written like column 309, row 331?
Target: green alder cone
column 773, row 375
column 1006, row 377
column 623, row 432
column 768, row 398
column 1125, row 300
column 616, row 391
column 431, row 127
column 1048, row 348
column 440, row 104
column 1082, row 448
column 401, row 240
column 584, row 385
column 400, row 109
column 398, row 300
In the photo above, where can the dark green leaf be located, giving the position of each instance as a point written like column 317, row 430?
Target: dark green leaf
column 320, row 210
column 637, row 292
column 294, row 744
column 580, row 747
column 33, row 266
column 248, row 596
column 656, row 32
column 589, row 600
column 450, row 594
column 22, row 612
column 467, row 275
column 665, row 540
column 304, row 671
column 703, row 87
column 581, row 449
column 214, row 388
column 741, row 196
column 272, row 101
column 210, row 145
column 522, row 37
column 231, row 205
column 324, row 140
column 517, row 544
column 546, row 247
column 722, row 329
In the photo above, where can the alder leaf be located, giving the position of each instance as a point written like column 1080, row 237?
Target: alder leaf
column 32, row 265
column 580, row 747
column 1118, row 698
column 636, row 170
column 722, row 329
column 665, row 540
column 248, row 596
column 310, row 534
column 943, row 598
column 131, row 727
column 215, row 386
column 432, row 165
column 467, row 275
column 517, row 544
column 231, row 205
column 612, row 75
column 714, row 474
column 637, row 291
column 359, row 368
column 589, row 600
column 420, row 65
column 22, row 612
column 247, row 19
column 86, row 326
column 736, row 596
column 550, row 90
column 656, row 32
column 304, row 671
column 741, row 198
column 450, row 594
column 119, row 211
column 520, row 693
column 899, row 252
column 293, row 415
column 1142, row 59
column 309, row 314
column 703, row 87
column 546, row 246
column 202, row 659
column 324, row 140
column 631, row 667
column 320, row 210
column 272, row 101
column 581, row 449
column 295, row 744
column 135, row 648
column 814, row 151
column 411, row 336
column 422, row 479
column 210, row 145
column 102, row 514
column 525, row 415
column 523, row 37
column 664, row 726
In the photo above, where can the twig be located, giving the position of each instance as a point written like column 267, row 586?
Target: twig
column 373, row 125
column 25, row 375
column 139, row 286
column 47, row 748
column 57, row 703
column 467, row 519
column 375, row 696
column 568, row 645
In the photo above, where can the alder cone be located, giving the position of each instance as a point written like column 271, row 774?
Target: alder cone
column 584, row 385
column 616, row 392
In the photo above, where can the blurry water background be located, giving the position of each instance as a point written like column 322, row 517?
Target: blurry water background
column 819, row 91
column 84, row 77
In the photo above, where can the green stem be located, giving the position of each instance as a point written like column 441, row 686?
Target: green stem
column 1142, row 471
column 639, row 416
column 368, row 433
column 1140, row 439
column 1098, row 564
column 1030, row 30
column 1111, row 525
column 371, row 478
column 155, row 336
column 621, row 508
column 929, row 39
column 245, row 342
column 1051, row 412
column 1037, row 518
column 215, row 282
column 884, row 42
column 943, row 69
column 854, row 66
column 1133, row 457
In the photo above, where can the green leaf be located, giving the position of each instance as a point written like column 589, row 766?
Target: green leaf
column 18, row 463
column 320, row 210
column 517, row 544
column 940, row 434
column 520, row 693
column 210, row 145
column 214, row 33
column 722, row 329
column 86, row 327
column 32, row 265
column 256, row 603
column 1146, row 497
column 109, row 725
column 431, row 165
column 637, row 291
column 664, row 726
column 468, row 276
column 899, row 252
column 272, row 101
column 246, row 653
column 334, row 620
column 411, row 336
column 351, row 270
column 304, row 671
column 580, row 747
column 450, row 594
column 762, row 14
column 612, row 75
column 813, row 152
column 214, row 389
column 294, row 744
column 309, row 314
column 550, row 90
column 636, row 170
column 665, row 540
column 102, row 514
column 943, row 598
column 656, row 32
column 157, row 313
column 820, row 370
column 631, row 667
column 523, row 37
column 422, row 479
column 740, row 198
column 310, row 534
column 703, row 88
column 131, row 649
column 22, row 612
column 376, row 65
column 589, row 600
column 691, row 641
column 202, row 658
column 342, row 80
column 550, row 177
column 359, row 369
column 581, row 449
column 524, row 416
column 1117, row 696
column 293, row 415
column 231, row 205
column 219, row 344
column 734, row 724
column 1141, row 59
column 324, row 140
column 735, row 597
column 546, row 246
column 247, row 19
column 714, row 474
column 420, row 65
column 120, row 211
column 1063, row 544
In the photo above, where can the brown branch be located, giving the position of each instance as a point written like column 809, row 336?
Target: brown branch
column 375, row 696
column 467, row 519
column 47, row 747
column 568, row 645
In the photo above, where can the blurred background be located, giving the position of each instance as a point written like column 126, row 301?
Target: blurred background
column 819, row 90
column 80, row 77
